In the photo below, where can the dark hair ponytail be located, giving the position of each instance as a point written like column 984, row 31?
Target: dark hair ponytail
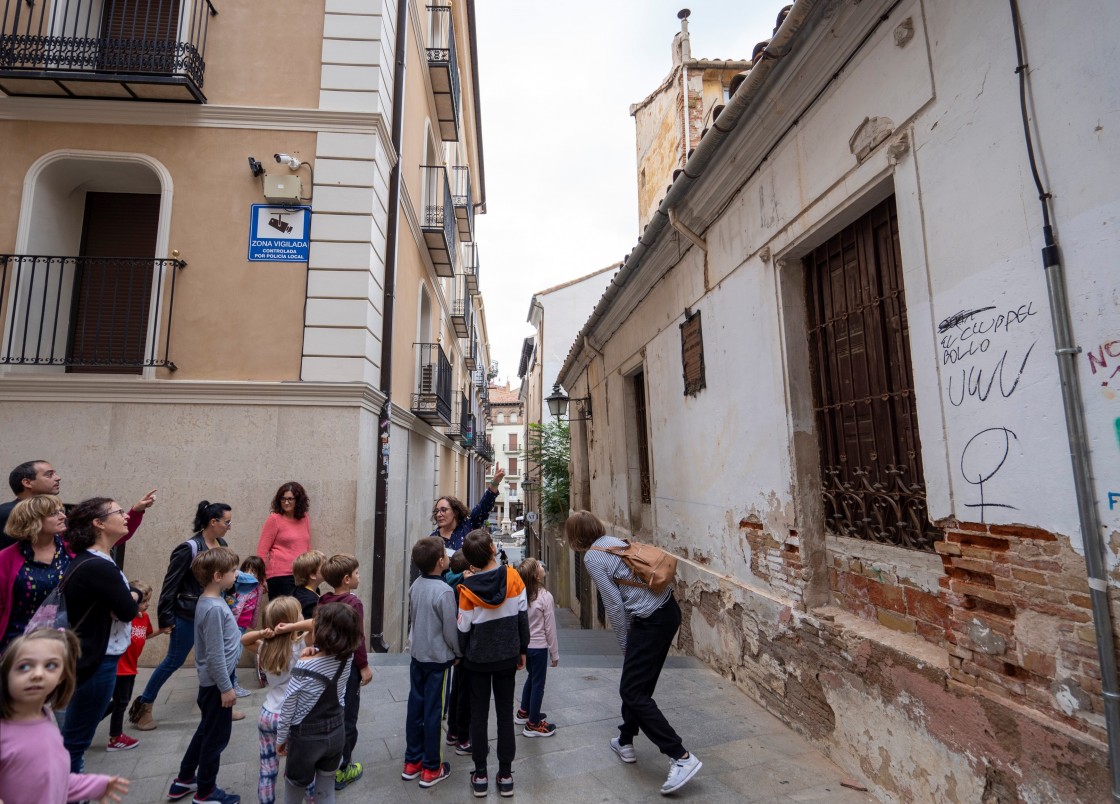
column 207, row 511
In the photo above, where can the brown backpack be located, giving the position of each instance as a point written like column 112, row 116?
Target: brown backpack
column 654, row 568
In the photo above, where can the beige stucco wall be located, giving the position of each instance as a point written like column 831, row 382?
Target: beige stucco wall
column 238, row 454
column 233, row 320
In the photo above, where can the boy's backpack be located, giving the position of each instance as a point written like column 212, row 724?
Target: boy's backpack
column 654, row 568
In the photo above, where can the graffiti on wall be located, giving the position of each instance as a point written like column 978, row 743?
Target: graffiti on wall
column 981, row 459
column 980, row 346
column 1104, row 367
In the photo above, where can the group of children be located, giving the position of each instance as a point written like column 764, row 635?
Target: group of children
column 311, row 655
column 486, row 620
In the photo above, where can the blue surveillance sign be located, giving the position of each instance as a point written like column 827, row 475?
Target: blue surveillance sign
column 279, row 234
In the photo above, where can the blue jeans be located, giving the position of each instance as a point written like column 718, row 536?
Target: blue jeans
column 180, row 644
column 86, row 709
column 422, row 720
column 536, row 662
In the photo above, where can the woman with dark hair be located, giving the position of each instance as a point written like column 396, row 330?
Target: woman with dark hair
column 31, row 568
column 177, row 599
column 452, row 519
column 285, row 536
column 100, row 605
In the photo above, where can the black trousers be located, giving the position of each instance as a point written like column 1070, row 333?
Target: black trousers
column 501, row 682
column 204, row 754
column 350, row 711
column 281, row 586
column 122, row 696
column 647, row 646
column 459, row 708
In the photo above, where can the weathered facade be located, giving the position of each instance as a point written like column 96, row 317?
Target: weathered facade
column 842, row 408
column 142, row 347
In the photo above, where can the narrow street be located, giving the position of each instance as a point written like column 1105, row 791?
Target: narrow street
column 748, row 755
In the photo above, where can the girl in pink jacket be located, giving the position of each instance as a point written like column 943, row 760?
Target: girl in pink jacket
column 543, row 650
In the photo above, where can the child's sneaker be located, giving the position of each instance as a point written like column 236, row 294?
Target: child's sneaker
column 479, row 784
column 218, row 796
column 348, row 775
column 122, row 742
column 625, row 753
column 542, row 729
column 522, row 717
column 180, row 789
column 452, row 738
column 411, row 770
column 241, row 692
column 464, row 749
column 430, row 778
column 505, row 785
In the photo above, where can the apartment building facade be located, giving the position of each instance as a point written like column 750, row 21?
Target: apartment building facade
column 241, row 251
column 830, row 378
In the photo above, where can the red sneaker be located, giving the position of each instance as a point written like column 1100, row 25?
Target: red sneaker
column 411, row 770
column 122, row 742
column 430, row 778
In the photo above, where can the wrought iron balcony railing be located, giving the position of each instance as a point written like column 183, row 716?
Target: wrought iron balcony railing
column 462, row 430
column 470, row 267
column 438, row 222
column 470, row 355
column 483, row 447
column 149, row 50
column 87, row 314
column 443, row 66
column 464, row 202
column 462, row 311
column 432, row 400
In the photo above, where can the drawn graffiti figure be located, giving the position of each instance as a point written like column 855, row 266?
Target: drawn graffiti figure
column 983, row 456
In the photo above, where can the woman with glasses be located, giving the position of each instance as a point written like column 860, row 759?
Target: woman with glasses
column 100, row 605
column 452, row 519
column 177, row 599
column 286, row 535
column 31, row 568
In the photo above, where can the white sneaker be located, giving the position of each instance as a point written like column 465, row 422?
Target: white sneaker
column 624, row 752
column 680, row 772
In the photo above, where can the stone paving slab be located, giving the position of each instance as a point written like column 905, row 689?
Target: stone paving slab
column 749, row 755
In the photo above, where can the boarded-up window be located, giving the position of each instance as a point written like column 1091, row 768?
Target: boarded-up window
column 692, row 354
column 863, row 394
column 642, row 424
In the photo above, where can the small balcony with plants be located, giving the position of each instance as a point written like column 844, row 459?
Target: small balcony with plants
column 145, row 50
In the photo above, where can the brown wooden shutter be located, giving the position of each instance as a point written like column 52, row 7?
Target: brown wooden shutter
column 112, row 295
column 129, row 31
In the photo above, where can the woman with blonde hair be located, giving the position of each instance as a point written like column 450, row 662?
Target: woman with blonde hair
column 31, row 568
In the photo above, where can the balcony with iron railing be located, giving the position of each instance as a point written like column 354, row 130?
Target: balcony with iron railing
column 147, row 50
column 443, row 67
column 470, row 355
column 462, row 311
column 483, row 447
column 470, row 267
column 462, row 429
column 438, row 221
column 104, row 315
column 464, row 202
column 432, row 400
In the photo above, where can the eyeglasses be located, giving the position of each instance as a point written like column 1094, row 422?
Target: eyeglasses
column 226, row 522
column 287, row 499
column 443, row 510
column 108, row 514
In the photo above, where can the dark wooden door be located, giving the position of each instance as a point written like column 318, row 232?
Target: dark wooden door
column 113, row 283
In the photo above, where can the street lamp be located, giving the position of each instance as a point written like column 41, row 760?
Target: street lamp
column 558, row 404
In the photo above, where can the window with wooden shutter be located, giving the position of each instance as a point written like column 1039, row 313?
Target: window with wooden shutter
column 870, row 451
column 139, row 36
column 692, row 354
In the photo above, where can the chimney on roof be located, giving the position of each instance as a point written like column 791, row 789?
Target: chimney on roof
column 682, row 49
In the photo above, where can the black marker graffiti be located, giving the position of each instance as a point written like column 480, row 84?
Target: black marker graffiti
column 983, row 456
column 972, row 380
column 959, row 318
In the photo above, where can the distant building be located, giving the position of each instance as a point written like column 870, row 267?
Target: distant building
column 507, row 433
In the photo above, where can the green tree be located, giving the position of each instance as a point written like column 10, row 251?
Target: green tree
column 548, row 451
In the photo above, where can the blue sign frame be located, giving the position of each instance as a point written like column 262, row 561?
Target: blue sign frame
column 279, row 233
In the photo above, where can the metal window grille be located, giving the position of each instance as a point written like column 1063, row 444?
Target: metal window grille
column 871, row 456
column 643, row 437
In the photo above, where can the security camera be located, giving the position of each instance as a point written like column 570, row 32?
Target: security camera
column 290, row 161
column 255, row 167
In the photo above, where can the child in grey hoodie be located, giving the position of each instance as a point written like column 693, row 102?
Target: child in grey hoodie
column 434, row 646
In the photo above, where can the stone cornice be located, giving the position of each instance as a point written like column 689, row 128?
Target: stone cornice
column 16, row 388
column 275, row 118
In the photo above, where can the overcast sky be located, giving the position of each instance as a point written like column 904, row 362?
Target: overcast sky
column 557, row 80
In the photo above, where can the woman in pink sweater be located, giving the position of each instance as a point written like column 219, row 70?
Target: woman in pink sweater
column 286, row 534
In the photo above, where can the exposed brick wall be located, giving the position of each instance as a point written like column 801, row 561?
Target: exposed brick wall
column 865, row 590
column 776, row 562
column 1021, row 622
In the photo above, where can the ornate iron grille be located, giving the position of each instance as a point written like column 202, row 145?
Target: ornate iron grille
column 871, row 456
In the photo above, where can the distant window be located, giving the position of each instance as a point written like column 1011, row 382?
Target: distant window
column 513, row 466
column 692, row 354
column 513, row 442
column 500, row 419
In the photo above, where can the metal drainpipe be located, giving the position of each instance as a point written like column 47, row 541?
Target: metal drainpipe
column 381, row 494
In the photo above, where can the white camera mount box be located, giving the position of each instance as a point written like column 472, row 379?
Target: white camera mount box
column 282, row 190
